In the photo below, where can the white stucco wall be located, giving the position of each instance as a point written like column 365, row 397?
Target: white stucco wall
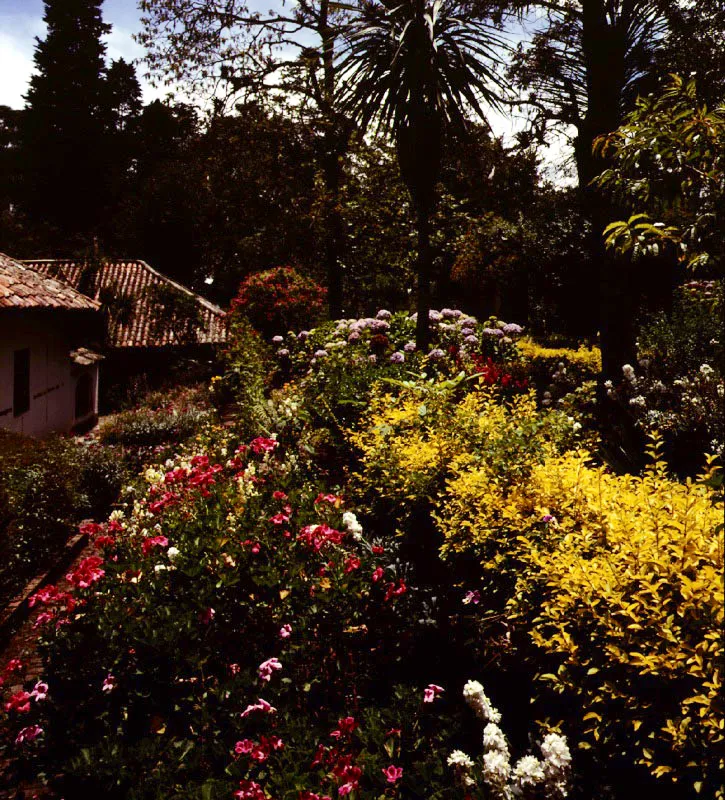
column 53, row 376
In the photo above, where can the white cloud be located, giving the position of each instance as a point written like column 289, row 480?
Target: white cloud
column 16, row 67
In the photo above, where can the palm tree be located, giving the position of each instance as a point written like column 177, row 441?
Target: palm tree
column 417, row 68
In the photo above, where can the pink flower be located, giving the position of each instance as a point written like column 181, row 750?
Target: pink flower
column 153, row 541
column 430, row 694
column 28, row 734
column 378, row 574
column 472, row 597
column 109, row 683
column 279, row 495
column 244, row 746
column 266, row 668
column 285, row 631
column 393, row 591
column 249, row 790
column 260, row 705
column 234, row 669
column 279, row 519
column 393, row 774
column 40, row 691
column 262, row 445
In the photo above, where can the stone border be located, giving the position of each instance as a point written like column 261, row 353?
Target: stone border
column 18, row 610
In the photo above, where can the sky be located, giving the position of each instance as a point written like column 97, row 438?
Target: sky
column 21, row 21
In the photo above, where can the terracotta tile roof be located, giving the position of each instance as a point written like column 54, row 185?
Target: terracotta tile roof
column 23, row 287
column 133, row 284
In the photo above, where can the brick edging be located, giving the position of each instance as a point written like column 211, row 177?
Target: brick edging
column 18, row 610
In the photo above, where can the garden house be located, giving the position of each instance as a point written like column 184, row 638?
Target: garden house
column 49, row 337
column 153, row 324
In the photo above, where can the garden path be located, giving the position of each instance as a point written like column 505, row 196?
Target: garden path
column 23, row 644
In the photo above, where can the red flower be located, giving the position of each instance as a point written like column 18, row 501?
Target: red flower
column 262, row 445
column 378, row 574
column 393, row 591
column 87, row 572
column 352, row 563
column 346, row 726
column 19, row 702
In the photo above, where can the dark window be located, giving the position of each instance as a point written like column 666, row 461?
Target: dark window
column 84, row 396
column 21, row 382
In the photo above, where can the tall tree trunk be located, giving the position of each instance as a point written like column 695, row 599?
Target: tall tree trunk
column 424, row 269
column 337, row 134
column 603, row 46
column 332, row 171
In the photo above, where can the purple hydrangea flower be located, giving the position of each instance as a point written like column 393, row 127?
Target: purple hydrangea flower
column 409, row 347
column 467, row 332
column 353, row 337
column 512, row 328
column 451, row 313
column 320, row 353
column 397, row 358
column 379, row 326
column 302, row 335
column 468, row 322
column 373, row 359
column 437, row 354
column 471, row 340
column 492, row 332
column 383, row 314
column 278, row 339
column 434, row 316
column 283, row 353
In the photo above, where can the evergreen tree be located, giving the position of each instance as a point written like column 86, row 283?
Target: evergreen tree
column 65, row 126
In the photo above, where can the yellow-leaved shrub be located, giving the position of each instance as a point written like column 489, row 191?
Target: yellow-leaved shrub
column 621, row 588
column 411, row 442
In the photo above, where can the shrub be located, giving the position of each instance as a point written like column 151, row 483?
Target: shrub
column 677, row 343
column 557, row 371
column 410, row 444
column 278, row 300
column 617, row 580
column 147, row 428
column 46, row 488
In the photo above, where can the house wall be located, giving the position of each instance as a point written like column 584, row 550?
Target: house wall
column 50, row 336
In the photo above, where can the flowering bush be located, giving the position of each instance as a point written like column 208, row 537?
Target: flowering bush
column 616, row 580
column 279, row 299
column 688, row 411
column 530, row 777
column 225, row 590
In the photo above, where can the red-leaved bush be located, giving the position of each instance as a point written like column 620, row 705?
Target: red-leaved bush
column 278, row 300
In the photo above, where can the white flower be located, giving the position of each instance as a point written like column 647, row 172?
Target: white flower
column 462, row 765
column 496, row 767
column 494, row 739
column 460, row 760
column 528, row 771
column 628, row 372
column 476, row 698
column 173, row 553
column 706, row 371
column 349, row 520
column 555, row 750
column 160, row 568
